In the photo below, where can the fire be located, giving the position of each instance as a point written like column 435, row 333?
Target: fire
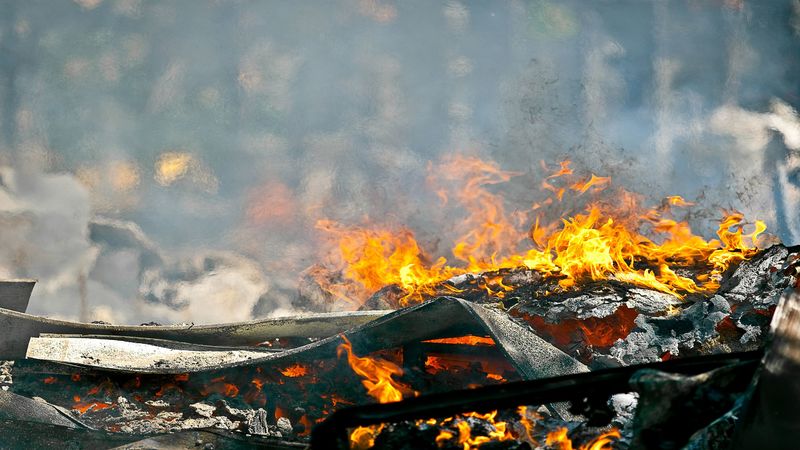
column 558, row 439
column 363, row 438
column 85, row 407
column 620, row 241
column 378, row 258
column 457, row 429
column 677, row 200
column 491, row 367
column 468, row 340
column 500, row 431
column 527, row 420
column 488, row 230
column 598, row 183
column 295, row 370
column 219, row 386
column 376, row 373
column 377, row 378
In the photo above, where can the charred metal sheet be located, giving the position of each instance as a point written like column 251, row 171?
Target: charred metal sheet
column 19, row 327
column 20, row 434
column 15, row 294
column 211, row 439
column 166, row 343
column 531, row 356
column 134, row 354
column 20, row 408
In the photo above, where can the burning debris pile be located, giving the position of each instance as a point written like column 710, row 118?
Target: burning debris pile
column 605, row 329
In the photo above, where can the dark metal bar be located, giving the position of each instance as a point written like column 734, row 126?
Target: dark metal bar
column 333, row 432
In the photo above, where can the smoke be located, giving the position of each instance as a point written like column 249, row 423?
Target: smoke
column 214, row 135
column 753, row 132
column 46, row 224
column 43, row 229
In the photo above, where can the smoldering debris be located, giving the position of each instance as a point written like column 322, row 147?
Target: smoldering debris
column 134, row 386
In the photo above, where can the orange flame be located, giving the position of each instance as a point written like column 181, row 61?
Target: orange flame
column 598, row 183
column 83, row 408
column 376, row 373
column 363, row 438
column 558, row 439
column 677, row 200
column 487, row 230
column 604, row 242
column 468, row 340
column 458, row 430
column 295, row 370
column 500, row 431
column 378, row 258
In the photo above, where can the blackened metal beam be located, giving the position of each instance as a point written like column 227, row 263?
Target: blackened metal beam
column 333, row 432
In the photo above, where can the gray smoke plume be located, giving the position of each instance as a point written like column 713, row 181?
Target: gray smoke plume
column 177, row 155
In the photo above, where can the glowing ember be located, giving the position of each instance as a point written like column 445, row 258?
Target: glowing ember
column 621, row 241
column 467, row 340
column 599, row 333
column 294, row 371
column 83, row 408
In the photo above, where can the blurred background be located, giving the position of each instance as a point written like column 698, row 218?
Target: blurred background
column 167, row 160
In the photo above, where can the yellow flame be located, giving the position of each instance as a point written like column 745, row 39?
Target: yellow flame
column 559, row 440
column 376, row 373
column 363, row 438
column 603, row 242
column 500, row 431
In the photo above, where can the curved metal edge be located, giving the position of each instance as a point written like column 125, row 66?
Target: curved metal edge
column 19, row 327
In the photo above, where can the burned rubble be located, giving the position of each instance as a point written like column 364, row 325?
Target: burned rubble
column 156, row 384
